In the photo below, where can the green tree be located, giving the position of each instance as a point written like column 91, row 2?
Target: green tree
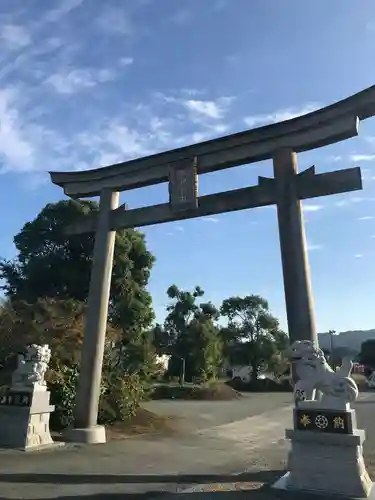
column 161, row 339
column 252, row 329
column 59, row 323
column 189, row 333
column 205, row 348
column 367, row 354
column 50, row 264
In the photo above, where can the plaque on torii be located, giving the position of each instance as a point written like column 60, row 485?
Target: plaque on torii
column 183, row 185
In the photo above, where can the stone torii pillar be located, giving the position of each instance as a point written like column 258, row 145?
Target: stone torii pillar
column 294, row 256
column 85, row 428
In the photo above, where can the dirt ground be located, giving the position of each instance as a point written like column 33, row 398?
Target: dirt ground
column 203, row 458
column 200, row 414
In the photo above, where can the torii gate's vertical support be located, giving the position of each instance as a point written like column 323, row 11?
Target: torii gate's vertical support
column 86, row 429
column 296, row 271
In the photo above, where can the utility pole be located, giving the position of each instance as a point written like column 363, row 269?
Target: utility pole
column 182, row 372
column 331, row 334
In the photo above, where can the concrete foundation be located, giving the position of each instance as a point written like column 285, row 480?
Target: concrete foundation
column 89, row 435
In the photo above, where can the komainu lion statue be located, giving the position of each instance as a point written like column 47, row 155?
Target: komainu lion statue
column 32, row 368
column 314, row 373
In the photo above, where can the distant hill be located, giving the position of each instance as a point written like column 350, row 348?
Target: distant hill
column 351, row 340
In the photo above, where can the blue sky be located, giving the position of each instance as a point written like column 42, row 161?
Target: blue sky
column 86, row 83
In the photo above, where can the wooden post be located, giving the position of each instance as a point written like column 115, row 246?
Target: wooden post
column 296, row 272
column 86, row 429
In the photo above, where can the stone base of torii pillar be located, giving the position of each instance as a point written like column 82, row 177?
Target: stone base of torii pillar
column 89, row 435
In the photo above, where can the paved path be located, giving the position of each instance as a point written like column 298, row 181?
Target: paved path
column 202, row 414
column 150, row 465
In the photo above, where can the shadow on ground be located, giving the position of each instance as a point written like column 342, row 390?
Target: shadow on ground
column 32, row 478
column 242, row 494
column 256, row 485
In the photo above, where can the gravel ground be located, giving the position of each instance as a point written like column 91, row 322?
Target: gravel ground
column 201, row 414
column 199, row 461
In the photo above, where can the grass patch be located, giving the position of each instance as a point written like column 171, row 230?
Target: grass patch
column 261, row 385
column 214, row 391
column 144, row 422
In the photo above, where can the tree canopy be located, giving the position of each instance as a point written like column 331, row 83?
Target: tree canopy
column 252, row 330
column 189, row 333
column 56, row 322
column 367, row 354
column 51, row 264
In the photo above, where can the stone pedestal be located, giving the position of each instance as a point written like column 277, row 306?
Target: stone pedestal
column 24, row 420
column 88, row 435
column 326, row 455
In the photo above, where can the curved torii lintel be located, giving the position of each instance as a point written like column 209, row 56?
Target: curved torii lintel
column 325, row 126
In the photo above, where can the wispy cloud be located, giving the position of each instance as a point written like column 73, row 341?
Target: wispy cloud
column 60, row 10
column 75, row 80
column 362, row 157
column 311, row 208
column 116, row 21
column 213, row 109
column 280, row 115
column 312, row 247
column 366, row 217
column 126, row 61
column 209, row 109
column 14, row 37
column 114, row 143
column 180, row 17
column 213, row 220
column 335, row 158
column 351, row 200
column 208, row 115
column 15, row 148
column 358, row 256
column 175, row 229
column 35, row 135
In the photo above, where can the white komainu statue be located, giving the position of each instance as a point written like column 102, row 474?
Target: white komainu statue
column 314, row 373
column 32, row 367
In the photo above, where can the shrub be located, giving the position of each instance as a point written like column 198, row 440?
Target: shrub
column 62, row 383
column 121, row 398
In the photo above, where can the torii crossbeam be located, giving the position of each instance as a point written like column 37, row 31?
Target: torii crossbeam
column 180, row 167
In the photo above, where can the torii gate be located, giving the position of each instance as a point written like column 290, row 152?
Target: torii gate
column 180, row 167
